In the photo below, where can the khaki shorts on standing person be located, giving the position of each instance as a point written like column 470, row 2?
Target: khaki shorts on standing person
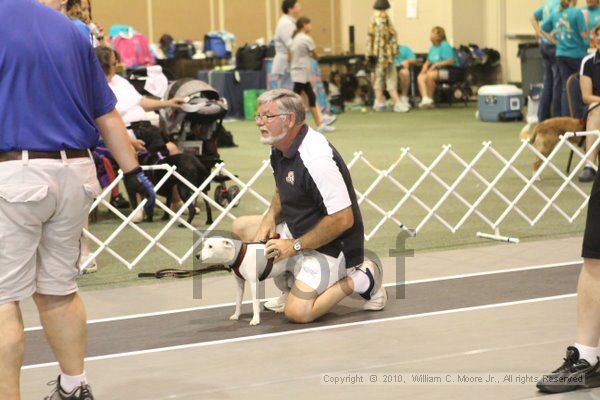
column 44, row 204
column 386, row 79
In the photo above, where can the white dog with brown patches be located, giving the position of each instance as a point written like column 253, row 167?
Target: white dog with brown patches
column 249, row 263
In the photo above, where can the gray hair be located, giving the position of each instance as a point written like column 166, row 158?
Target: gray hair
column 287, row 102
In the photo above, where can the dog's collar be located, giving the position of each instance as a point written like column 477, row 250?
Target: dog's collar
column 241, row 249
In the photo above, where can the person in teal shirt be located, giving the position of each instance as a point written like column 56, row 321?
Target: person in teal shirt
column 591, row 12
column 440, row 64
column 569, row 27
column 552, row 89
column 403, row 61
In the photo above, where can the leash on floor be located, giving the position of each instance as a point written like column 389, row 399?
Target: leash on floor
column 186, row 273
column 181, row 273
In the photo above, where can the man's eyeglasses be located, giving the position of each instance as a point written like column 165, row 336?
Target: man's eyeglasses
column 267, row 118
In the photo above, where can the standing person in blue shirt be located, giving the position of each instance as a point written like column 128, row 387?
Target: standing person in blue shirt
column 552, row 91
column 55, row 100
column 569, row 27
column 403, row 61
column 439, row 65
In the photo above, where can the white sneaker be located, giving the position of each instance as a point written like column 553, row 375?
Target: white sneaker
column 328, row 119
column 325, row 128
column 91, row 267
column 277, row 304
column 404, row 100
column 426, row 102
column 379, row 107
column 378, row 294
column 378, row 300
column 401, row 107
column 138, row 217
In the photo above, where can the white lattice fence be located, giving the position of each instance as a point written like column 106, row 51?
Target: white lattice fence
column 490, row 186
column 401, row 193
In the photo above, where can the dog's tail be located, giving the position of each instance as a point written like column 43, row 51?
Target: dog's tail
column 528, row 133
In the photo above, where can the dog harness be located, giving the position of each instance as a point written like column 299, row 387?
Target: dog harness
column 235, row 267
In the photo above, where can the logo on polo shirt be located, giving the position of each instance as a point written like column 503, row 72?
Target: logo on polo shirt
column 290, row 178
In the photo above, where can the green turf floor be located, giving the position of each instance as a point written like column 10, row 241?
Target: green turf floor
column 381, row 137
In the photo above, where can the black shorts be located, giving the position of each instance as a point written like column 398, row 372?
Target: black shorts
column 306, row 88
column 591, row 237
column 455, row 74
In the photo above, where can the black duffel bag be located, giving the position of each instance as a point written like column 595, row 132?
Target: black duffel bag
column 250, row 57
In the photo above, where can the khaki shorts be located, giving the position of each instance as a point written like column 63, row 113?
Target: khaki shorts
column 44, row 204
column 389, row 77
column 317, row 270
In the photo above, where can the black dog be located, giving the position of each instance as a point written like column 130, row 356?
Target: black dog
column 191, row 169
column 187, row 166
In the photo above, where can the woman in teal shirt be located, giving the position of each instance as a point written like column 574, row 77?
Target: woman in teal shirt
column 591, row 11
column 440, row 64
column 403, row 61
column 569, row 27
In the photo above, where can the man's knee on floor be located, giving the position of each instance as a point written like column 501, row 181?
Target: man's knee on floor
column 298, row 315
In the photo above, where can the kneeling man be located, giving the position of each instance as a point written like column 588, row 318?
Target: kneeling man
column 315, row 212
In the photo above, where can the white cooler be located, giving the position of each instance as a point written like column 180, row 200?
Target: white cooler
column 500, row 103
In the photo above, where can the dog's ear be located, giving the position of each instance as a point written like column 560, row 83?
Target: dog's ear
column 227, row 244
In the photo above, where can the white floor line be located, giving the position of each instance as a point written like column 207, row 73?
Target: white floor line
column 315, row 329
column 415, row 282
column 499, row 271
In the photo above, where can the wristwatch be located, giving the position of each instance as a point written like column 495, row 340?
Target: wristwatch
column 297, row 245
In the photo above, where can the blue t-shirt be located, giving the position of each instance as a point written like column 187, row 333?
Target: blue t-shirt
column 545, row 11
column 51, row 85
column 568, row 24
column 441, row 52
column 404, row 53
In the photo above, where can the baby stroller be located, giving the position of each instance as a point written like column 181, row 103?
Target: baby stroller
column 193, row 128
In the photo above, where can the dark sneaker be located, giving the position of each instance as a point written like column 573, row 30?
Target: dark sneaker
column 573, row 374
column 119, row 202
column 83, row 392
column 587, row 175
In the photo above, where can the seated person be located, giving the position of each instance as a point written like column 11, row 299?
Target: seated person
column 130, row 104
column 133, row 106
column 590, row 91
column 440, row 64
column 403, row 61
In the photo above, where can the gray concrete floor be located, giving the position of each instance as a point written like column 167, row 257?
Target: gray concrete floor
column 515, row 338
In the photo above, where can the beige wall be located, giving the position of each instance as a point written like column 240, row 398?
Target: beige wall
column 249, row 20
column 411, row 32
column 489, row 23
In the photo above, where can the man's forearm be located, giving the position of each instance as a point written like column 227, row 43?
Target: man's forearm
column 327, row 229
column 113, row 131
column 274, row 211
